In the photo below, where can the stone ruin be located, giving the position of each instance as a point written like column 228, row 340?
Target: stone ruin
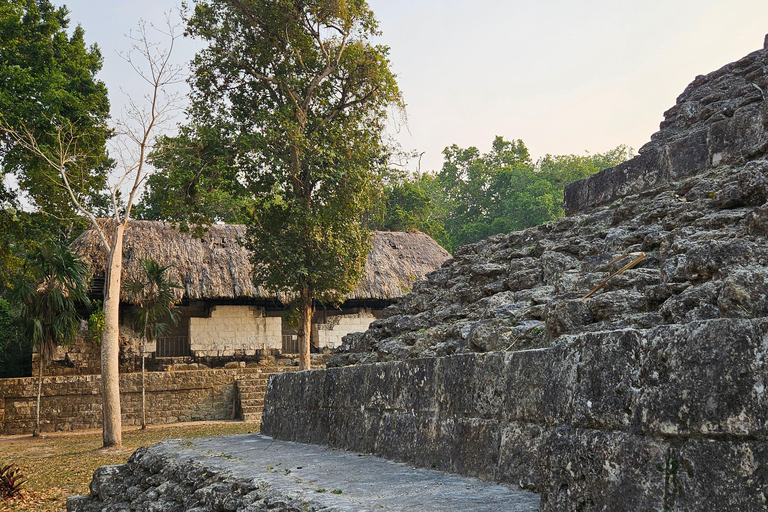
column 648, row 394
column 615, row 359
column 693, row 202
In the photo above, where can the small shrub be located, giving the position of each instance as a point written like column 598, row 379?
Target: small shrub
column 11, row 481
column 96, row 322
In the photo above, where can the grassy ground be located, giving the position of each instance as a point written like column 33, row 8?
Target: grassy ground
column 61, row 464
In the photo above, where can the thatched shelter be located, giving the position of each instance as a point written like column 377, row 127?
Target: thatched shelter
column 224, row 314
column 216, row 266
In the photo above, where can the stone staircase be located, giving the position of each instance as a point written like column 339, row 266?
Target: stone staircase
column 252, row 387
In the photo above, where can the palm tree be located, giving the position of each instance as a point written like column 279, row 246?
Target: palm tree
column 154, row 313
column 56, row 281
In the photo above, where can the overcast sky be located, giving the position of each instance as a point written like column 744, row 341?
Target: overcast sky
column 565, row 76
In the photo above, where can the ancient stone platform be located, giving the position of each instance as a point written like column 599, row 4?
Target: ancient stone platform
column 254, row 472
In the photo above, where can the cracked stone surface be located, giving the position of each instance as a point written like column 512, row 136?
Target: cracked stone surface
column 252, row 472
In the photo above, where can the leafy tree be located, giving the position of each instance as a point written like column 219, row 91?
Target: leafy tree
column 155, row 310
column 479, row 195
column 196, row 182
column 298, row 95
column 22, row 232
column 48, row 304
column 472, row 188
column 409, row 204
column 47, row 79
column 62, row 145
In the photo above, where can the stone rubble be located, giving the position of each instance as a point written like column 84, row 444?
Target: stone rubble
column 693, row 201
column 705, row 258
column 249, row 473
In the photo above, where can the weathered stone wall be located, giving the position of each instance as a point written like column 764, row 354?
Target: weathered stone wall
column 74, row 402
column 232, row 330
column 330, row 333
column 672, row 418
column 720, row 119
column 83, row 355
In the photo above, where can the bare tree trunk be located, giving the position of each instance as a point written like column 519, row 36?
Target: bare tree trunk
column 305, row 336
column 36, row 432
column 143, row 385
column 110, row 346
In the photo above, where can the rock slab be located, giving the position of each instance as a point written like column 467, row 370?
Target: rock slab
column 252, row 472
column 668, row 418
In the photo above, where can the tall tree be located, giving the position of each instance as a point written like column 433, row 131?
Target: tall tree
column 47, row 78
column 46, row 75
column 410, row 203
column 482, row 194
column 196, row 182
column 154, row 312
column 48, row 304
column 300, row 95
column 61, row 145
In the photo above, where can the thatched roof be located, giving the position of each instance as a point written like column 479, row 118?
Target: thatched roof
column 217, row 267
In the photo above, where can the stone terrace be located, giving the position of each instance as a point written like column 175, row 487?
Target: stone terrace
column 253, row 472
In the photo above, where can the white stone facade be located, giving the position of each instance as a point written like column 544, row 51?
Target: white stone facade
column 329, row 334
column 234, row 330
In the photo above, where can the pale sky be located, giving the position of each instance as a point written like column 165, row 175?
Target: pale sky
column 565, row 76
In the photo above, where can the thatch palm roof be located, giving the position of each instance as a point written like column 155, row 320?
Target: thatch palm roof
column 216, row 266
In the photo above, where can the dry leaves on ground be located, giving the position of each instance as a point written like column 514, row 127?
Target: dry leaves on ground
column 61, row 465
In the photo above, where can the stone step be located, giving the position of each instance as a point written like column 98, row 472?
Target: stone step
column 252, row 385
column 247, row 397
column 255, row 376
column 252, row 417
column 299, row 477
column 250, row 395
column 252, row 388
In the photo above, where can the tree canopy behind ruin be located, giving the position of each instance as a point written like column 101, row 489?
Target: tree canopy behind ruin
column 295, row 96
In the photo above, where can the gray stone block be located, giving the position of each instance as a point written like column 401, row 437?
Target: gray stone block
column 598, row 470
column 705, row 378
column 700, row 469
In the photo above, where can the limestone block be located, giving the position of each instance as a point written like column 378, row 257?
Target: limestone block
column 592, row 469
column 709, row 475
column 520, row 454
column 705, row 378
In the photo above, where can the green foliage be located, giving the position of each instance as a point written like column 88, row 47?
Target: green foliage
column 96, row 322
column 11, row 481
column 196, row 182
column 48, row 90
column 15, row 352
column 48, row 298
column 156, row 300
column 479, row 195
column 22, row 232
column 289, row 100
column 292, row 316
column 411, row 203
